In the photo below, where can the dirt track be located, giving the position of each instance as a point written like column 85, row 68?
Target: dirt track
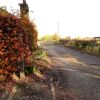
column 77, row 73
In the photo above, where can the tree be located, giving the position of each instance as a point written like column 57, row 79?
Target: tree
column 55, row 37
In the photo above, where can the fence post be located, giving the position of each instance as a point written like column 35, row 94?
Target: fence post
column 22, row 74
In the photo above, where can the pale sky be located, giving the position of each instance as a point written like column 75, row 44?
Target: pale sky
column 75, row 17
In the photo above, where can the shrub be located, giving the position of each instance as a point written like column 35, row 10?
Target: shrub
column 15, row 43
column 84, row 44
column 77, row 43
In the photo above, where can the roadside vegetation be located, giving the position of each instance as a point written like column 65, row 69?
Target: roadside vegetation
column 90, row 46
column 22, row 61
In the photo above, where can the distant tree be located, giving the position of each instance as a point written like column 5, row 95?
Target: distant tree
column 67, row 38
column 55, row 37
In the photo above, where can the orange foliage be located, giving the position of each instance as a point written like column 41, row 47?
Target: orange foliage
column 16, row 42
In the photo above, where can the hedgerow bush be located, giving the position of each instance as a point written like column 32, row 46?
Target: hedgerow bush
column 77, row 43
column 84, row 44
column 16, row 43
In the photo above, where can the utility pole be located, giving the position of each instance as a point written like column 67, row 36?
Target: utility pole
column 24, row 9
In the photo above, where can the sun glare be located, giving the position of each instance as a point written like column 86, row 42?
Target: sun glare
column 76, row 18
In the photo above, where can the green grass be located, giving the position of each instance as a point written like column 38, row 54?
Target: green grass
column 31, row 69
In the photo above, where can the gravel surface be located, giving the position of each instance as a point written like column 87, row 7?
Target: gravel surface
column 76, row 75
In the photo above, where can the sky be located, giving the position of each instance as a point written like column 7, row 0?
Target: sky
column 75, row 17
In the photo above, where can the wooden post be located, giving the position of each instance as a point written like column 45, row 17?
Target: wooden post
column 22, row 74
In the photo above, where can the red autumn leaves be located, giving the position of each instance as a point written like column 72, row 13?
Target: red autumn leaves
column 15, row 43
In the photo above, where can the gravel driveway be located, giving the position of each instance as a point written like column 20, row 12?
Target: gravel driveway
column 78, row 73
